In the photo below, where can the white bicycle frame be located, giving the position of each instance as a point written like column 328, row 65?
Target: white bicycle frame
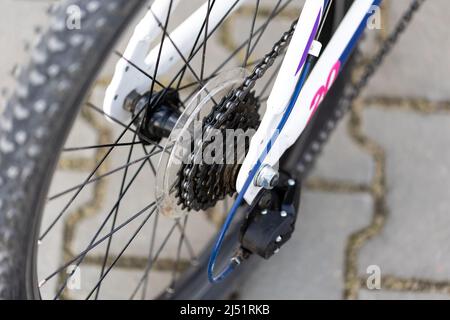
column 288, row 111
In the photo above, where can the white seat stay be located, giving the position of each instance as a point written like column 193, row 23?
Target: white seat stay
column 128, row 78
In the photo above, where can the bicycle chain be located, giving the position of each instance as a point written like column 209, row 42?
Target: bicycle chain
column 196, row 193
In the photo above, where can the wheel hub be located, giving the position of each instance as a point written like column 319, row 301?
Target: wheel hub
column 162, row 110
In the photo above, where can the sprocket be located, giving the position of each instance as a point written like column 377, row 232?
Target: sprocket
column 200, row 184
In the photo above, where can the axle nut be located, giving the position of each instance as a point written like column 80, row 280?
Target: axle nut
column 267, row 177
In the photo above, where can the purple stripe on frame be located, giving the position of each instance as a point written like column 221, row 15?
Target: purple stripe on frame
column 310, row 41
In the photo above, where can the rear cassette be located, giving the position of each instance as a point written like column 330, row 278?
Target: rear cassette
column 187, row 179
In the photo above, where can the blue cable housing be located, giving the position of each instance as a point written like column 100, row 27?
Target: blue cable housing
column 237, row 203
column 301, row 82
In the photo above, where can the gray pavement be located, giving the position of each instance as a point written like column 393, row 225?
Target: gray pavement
column 379, row 195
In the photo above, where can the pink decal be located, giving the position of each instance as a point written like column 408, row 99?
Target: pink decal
column 323, row 90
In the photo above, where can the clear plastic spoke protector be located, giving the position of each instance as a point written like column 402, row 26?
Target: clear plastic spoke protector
column 186, row 133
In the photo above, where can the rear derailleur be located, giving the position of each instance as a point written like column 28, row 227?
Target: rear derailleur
column 270, row 219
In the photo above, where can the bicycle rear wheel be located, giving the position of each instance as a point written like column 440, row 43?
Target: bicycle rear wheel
column 48, row 200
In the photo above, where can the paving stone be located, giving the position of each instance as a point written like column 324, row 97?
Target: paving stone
column 419, row 63
column 50, row 250
column 390, row 295
column 311, row 264
column 89, row 275
column 415, row 241
column 353, row 165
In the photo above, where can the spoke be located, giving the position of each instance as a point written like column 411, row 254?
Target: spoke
column 123, row 133
column 186, row 61
column 252, row 30
column 120, row 254
column 205, row 41
column 86, row 181
column 192, row 84
column 260, row 31
column 140, row 69
column 152, row 168
column 61, row 213
column 178, row 256
column 158, row 59
column 272, row 15
column 82, row 254
column 103, row 225
column 271, row 79
column 149, row 161
column 116, row 212
column 322, row 23
column 153, row 78
column 99, row 146
column 150, row 256
column 180, row 72
column 62, row 193
column 151, row 262
column 99, row 110
column 192, row 54
column 187, row 242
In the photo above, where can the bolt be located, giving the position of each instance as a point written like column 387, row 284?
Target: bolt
column 277, row 250
column 267, row 177
column 264, row 212
column 279, row 239
column 284, row 214
column 291, row 182
column 131, row 101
